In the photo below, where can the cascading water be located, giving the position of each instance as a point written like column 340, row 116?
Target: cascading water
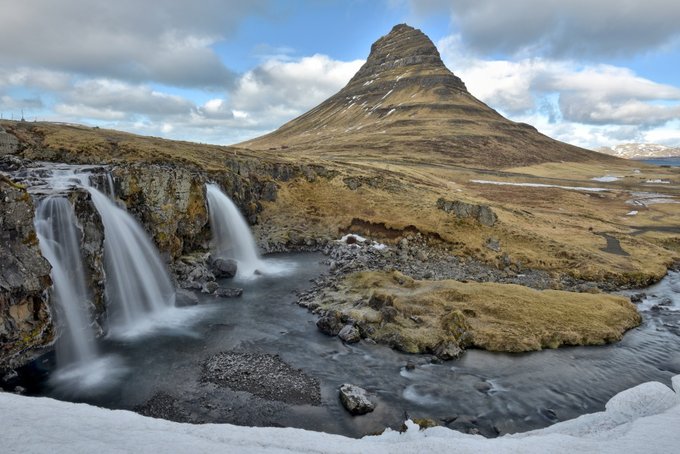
column 137, row 283
column 55, row 225
column 231, row 235
column 79, row 365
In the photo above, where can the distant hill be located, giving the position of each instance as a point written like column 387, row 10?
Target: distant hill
column 640, row 151
column 405, row 103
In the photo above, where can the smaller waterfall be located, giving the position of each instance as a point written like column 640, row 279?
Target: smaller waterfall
column 231, row 235
column 137, row 283
column 55, row 225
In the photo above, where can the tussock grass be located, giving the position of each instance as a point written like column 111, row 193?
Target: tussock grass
column 497, row 317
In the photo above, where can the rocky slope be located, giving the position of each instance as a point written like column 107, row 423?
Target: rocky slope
column 25, row 316
column 640, row 151
column 404, row 102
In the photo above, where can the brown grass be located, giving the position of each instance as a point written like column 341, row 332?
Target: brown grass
column 499, row 317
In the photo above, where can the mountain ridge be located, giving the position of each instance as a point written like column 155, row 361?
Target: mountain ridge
column 640, row 151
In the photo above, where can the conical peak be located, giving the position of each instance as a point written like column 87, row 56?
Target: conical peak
column 403, row 50
column 406, row 45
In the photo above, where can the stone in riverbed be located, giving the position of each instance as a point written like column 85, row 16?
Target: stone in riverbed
column 448, row 350
column 224, row 268
column 186, row 298
column 355, row 399
column 232, row 292
column 350, row 334
column 330, row 324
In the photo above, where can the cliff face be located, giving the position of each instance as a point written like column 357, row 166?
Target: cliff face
column 25, row 318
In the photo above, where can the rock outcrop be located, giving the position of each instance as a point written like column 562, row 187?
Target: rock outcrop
column 479, row 213
column 355, row 399
column 25, row 317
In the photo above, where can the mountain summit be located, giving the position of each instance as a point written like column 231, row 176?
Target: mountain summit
column 404, row 103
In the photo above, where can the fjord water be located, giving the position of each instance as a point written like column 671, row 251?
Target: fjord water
column 138, row 287
column 231, row 235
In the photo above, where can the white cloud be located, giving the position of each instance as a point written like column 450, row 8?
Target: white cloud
column 126, row 39
column 279, row 90
column 560, row 28
column 585, row 105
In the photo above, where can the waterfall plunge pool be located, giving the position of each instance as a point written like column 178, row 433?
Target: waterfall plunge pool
column 493, row 392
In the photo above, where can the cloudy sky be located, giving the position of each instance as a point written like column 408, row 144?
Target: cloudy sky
column 589, row 72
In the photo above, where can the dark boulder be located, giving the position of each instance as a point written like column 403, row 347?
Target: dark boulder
column 330, row 324
column 224, row 268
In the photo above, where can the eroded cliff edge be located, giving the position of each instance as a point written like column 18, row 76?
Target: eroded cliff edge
column 25, row 313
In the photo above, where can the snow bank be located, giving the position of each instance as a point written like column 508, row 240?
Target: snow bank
column 644, row 419
column 657, row 181
column 540, row 185
column 606, row 179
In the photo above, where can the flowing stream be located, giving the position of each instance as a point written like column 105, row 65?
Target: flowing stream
column 494, row 393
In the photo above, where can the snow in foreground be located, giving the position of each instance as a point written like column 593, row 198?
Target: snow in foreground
column 641, row 419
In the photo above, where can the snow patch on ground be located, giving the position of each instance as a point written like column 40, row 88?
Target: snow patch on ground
column 645, row 199
column 606, row 179
column 632, row 213
column 540, row 185
column 357, row 238
column 643, row 419
column 657, row 181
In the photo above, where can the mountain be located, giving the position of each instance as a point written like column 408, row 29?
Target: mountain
column 403, row 102
column 640, row 151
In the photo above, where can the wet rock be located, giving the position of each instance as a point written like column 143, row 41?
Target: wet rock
column 186, row 298
column 224, row 268
column 410, row 365
column 665, row 302
column 350, row 334
column 637, row 298
column 210, row 287
column 483, row 387
column 355, row 399
column 169, row 201
column 25, row 320
column 330, row 324
column 448, row 350
column 231, row 292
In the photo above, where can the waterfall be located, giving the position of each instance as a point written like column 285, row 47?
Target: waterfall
column 80, row 368
column 137, row 283
column 55, row 225
column 231, row 235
